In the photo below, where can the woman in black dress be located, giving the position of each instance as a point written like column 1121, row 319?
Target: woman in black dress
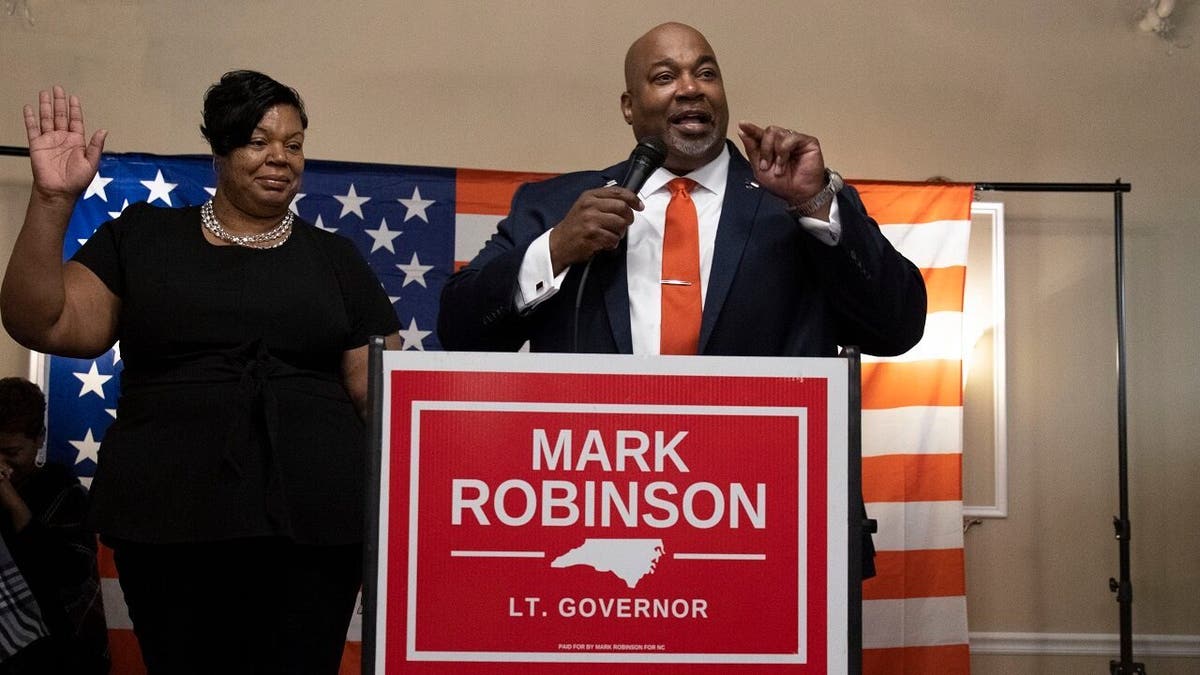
column 230, row 487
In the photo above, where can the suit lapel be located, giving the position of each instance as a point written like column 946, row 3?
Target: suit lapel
column 616, row 297
column 611, row 268
column 742, row 199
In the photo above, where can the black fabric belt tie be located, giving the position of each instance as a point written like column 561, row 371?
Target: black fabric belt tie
column 252, row 417
column 257, row 399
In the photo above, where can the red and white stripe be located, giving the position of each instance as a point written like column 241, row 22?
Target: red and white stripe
column 915, row 610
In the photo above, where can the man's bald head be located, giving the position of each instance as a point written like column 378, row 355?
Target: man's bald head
column 673, row 90
column 637, row 52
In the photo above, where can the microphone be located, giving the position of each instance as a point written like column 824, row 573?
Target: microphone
column 647, row 156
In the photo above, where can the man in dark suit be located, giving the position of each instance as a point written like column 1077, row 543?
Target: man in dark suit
column 790, row 264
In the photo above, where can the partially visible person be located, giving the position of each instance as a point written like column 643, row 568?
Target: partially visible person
column 42, row 509
column 231, row 486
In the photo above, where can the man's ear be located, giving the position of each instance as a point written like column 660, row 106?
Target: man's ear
column 627, row 107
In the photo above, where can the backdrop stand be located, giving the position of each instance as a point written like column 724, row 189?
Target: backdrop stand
column 1123, row 587
column 860, row 525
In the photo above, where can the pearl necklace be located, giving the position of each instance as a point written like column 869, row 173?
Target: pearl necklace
column 280, row 231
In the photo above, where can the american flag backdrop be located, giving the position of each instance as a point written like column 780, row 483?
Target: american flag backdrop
column 415, row 224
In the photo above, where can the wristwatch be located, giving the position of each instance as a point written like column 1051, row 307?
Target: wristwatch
column 833, row 183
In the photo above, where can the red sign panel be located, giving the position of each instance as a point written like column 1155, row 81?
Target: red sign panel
column 609, row 521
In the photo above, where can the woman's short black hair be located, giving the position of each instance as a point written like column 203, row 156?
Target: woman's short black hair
column 22, row 407
column 234, row 106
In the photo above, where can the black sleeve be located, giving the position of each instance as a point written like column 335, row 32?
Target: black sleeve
column 367, row 305
column 101, row 253
column 877, row 294
column 56, row 553
column 54, row 549
column 477, row 309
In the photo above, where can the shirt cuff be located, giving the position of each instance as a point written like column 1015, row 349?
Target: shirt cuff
column 536, row 282
column 828, row 233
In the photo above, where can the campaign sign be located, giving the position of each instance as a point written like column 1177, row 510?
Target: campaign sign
column 612, row 514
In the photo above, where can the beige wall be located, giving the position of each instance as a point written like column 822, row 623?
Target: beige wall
column 14, row 360
column 1021, row 90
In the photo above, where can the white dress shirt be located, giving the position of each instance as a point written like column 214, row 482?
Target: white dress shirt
column 643, row 257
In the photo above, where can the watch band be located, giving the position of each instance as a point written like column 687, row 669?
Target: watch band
column 833, row 184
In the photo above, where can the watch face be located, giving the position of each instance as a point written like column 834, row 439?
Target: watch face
column 835, row 181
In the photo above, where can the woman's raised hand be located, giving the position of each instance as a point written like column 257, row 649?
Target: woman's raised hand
column 63, row 161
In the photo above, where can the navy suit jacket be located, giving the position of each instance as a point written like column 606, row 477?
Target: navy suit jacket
column 773, row 290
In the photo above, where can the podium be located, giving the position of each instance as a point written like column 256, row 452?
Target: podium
column 555, row 513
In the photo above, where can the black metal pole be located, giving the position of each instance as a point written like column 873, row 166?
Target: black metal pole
column 1123, row 586
column 370, row 589
column 13, row 151
column 1117, row 186
column 854, row 508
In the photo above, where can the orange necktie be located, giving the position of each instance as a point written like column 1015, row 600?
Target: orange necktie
column 681, row 307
